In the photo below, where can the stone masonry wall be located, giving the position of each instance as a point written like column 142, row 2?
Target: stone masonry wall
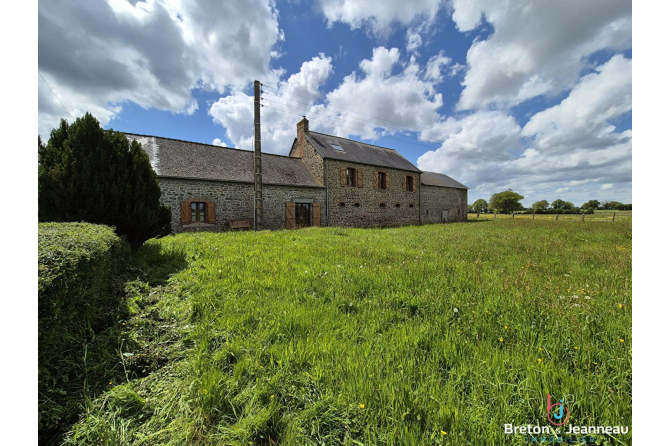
column 436, row 199
column 234, row 201
column 276, row 197
column 369, row 212
column 314, row 162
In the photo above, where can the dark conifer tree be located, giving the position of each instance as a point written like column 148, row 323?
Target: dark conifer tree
column 99, row 176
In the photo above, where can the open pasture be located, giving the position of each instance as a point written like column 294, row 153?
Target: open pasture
column 436, row 334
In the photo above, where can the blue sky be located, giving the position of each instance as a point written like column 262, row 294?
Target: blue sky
column 535, row 96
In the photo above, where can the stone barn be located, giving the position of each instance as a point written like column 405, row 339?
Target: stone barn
column 324, row 181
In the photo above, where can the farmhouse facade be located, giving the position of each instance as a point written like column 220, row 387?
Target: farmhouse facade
column 324, row 181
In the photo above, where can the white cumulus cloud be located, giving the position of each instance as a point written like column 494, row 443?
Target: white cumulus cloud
column 98, row 55
column 538, row 47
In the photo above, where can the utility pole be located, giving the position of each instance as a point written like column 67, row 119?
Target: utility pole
column 258, row 184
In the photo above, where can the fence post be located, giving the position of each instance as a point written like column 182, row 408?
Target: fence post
column 512, row 214
column 477, row 214
column 557, row 216
column 613, row 215
column 582, row 216
column 495, row 214
column 533, row 214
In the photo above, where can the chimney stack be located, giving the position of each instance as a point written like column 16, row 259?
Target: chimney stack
column 303, row 127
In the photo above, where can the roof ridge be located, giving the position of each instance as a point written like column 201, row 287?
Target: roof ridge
column 205, row 144
column 358, row 142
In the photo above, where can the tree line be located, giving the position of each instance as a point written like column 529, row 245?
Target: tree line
column 509, row 201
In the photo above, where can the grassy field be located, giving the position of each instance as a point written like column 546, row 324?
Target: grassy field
column 438, row 334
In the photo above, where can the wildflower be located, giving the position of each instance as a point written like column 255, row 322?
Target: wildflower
column 620, row 340
column 620, row 305
column 110, row 383
column 455, row 310
column 443, row 432
column 501, row 339
column 587, row 297
column 123, row 324
column 362, row 406
column 272, row 396
column 576, row 348
column 505, row 327
column 539, row 360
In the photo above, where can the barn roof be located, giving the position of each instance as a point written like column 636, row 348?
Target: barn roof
column 440, row 180
column 184, row 159
column 357, row 152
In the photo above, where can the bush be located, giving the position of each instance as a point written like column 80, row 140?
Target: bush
column 80, row 271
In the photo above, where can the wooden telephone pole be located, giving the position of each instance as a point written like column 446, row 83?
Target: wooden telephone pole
column 258, row 184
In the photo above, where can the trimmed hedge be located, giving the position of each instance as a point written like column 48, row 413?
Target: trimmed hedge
column 80, row 283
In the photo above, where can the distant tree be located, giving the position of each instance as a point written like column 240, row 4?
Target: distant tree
column 480, row 206
column 541, row 205
column 89, row 174
column 611, row 205
column 591, row 204
column 562, row 205
column 557, row 204
column 506, row 202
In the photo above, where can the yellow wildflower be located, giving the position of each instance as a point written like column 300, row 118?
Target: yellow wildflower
column 620, row 305
column 539, row 360
column 443, row 432
column 362, row 406
column 501, row 339
column 620, row 340
column 576, row 348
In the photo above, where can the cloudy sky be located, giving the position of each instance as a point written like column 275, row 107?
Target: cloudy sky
column 532, row 95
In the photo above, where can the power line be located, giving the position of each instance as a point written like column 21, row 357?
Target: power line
column 406, row 128
column 480, row 154
column 52, row 92
column 386, row 136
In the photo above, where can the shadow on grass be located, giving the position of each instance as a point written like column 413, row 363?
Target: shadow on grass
column 154, row 264
column 84, row 370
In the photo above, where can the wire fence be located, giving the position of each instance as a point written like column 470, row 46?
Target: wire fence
column 596, row 216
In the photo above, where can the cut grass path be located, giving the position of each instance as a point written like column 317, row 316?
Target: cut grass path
column 438, row 334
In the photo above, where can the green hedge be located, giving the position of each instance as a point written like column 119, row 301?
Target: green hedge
column 80, row 282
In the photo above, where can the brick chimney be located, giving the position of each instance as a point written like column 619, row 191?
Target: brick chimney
column 303, row 127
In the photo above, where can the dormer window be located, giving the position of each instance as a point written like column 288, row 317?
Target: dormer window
column 337, row 147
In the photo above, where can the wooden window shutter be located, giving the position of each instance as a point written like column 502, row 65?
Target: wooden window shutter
column 404, row 182
column 316, row 214
column 387, row 181
column 377, row 185
column 185, row 214
column 290, row 216
column 211, row 212
column 359, row 179
column 343, row 176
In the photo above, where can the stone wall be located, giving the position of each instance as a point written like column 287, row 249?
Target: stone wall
column 436, row 199
column 342, row 199
column 276, row 197
column 234, row 201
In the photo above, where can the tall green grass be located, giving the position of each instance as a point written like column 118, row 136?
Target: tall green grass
column 418, row 335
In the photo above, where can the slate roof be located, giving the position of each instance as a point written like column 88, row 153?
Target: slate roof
column 184, row 159
column 441, row 180
column 358, row 152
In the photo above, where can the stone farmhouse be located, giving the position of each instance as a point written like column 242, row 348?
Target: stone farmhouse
column 324, row 181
